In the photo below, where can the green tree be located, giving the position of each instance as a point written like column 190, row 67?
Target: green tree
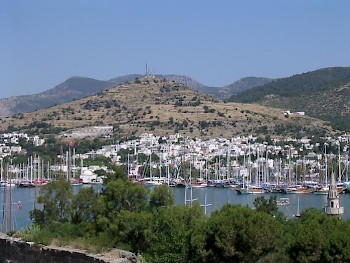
column 133, row 230
column 84, row 206
column 268, row 206
column 119, row 195
column 161, row 197
column 117, row 173
column 123, row 153
column 240, row 234
column 319, row 238
column 56, row 199
column 172, row 231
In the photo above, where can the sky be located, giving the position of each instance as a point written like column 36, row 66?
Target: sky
column 43, row 43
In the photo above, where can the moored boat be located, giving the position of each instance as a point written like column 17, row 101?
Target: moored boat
column 26, row 184
column 250, row 189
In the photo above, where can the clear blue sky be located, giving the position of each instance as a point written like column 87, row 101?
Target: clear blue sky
column 215, row 42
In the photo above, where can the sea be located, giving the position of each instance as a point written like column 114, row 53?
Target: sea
column 211, row 198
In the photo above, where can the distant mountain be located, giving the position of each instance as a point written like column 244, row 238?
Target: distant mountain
column 72, row 88
column 323, row 94
column 161, row 106
column 242, row 85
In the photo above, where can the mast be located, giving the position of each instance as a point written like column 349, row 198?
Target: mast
column 1, row 175
column 339, row 168
column 150, row 165
column 289, row 164
column 325, row 160
column 9, row 181
column 228, row 166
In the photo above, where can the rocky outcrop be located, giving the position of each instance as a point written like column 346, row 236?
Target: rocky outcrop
column 14, row 250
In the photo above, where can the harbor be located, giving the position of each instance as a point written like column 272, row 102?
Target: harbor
column 211, row 198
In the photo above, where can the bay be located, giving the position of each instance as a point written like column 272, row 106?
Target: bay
column 214, row 197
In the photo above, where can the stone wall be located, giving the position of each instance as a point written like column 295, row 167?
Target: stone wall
column 14, row 250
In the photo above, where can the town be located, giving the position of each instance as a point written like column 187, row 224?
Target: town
column 247, row 164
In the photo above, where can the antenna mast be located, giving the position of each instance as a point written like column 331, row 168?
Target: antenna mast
column 147, row 70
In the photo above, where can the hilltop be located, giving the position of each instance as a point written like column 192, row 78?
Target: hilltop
column 80, row 87
column 323, row 94
column 160, row 106
column 77, row 88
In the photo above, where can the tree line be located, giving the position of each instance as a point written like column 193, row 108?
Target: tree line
column 126, row 215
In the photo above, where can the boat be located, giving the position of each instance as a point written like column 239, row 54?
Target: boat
column 322, row 190
column 283, row 201
column 180, row 183
column 250, row 189
column 26, row 184
column 152, row 183
column 76, row 181
column 199, row 183
column 297, row 189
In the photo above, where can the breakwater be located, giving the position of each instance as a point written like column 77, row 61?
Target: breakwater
column 14, row 250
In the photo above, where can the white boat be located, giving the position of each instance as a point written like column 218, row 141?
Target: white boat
column 322, row 191
column 283, row 201
column 152, row 183
column 250, row 189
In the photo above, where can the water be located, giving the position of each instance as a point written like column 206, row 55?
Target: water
column 218, row 197
column 215, row 199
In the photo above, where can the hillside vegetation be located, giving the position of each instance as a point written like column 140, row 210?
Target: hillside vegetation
column 322, row 94
column 164, row 107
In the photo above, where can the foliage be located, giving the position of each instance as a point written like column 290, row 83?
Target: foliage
column 29, row 233
column 123, row 153
column 267, row 206
column 319, row 238
column 83, row 206
column 161, row 197
column 132, row 230
column 239, row 234
column 122, row 216
column 119, row 195
column 56, row 198
column 305, row 83
column 172, row 232
column 98, row 160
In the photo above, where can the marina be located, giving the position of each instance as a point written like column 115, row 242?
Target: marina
column 213, row 173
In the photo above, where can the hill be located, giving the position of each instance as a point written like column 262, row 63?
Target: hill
column 79, row 87
column 163, row 107
column 72, row 88
column 241, row 85
column 323, row 94
column 76, row 88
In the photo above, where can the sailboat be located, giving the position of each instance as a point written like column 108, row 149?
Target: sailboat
column 151, row 181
